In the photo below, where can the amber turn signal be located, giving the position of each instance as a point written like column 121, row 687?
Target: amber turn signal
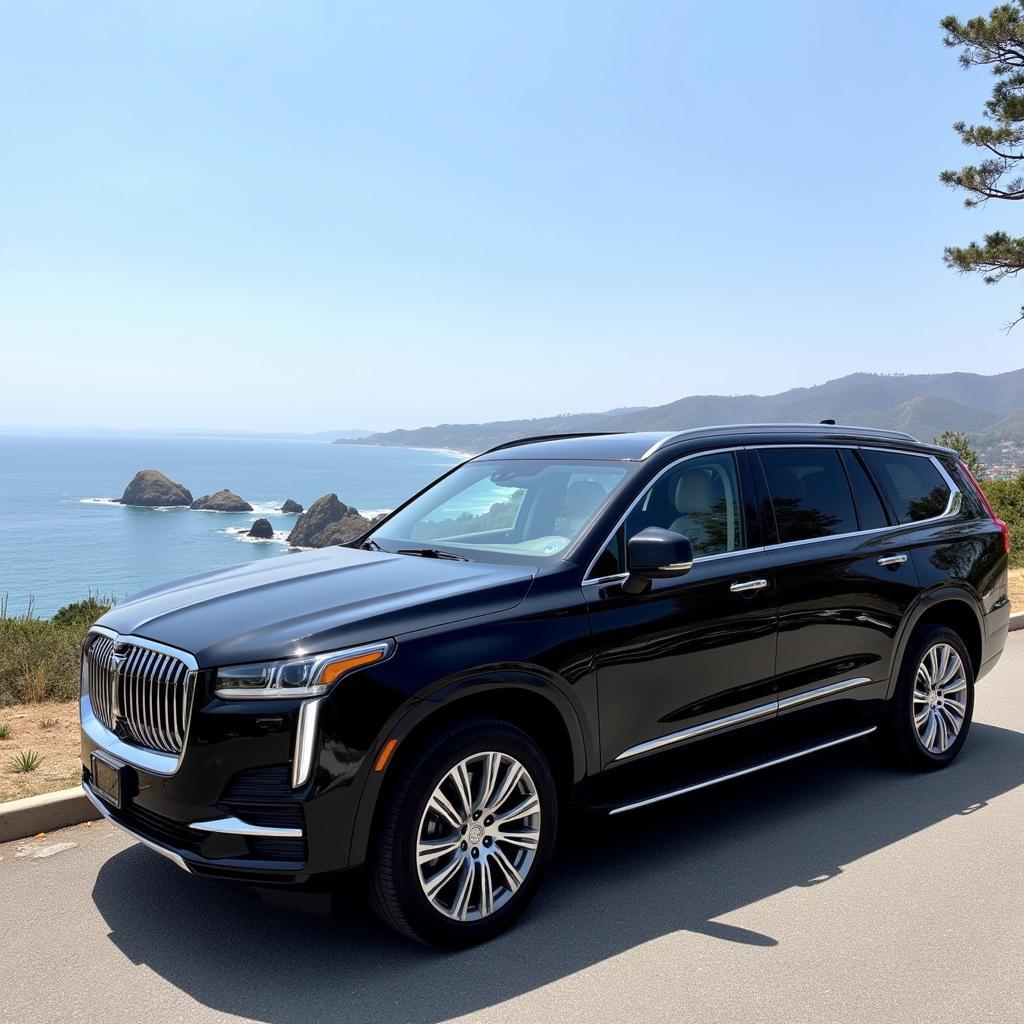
column 336, row 669
column 385, row 755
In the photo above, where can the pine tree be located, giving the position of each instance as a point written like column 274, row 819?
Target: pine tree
column 996, row 42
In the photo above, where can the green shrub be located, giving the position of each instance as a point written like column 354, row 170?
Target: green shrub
column 23, row 762
column 5, row 731
column 80, row 614
column 39, row 658
column 1007, row 499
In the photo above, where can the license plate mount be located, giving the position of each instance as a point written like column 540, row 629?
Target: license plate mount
column 107, row 777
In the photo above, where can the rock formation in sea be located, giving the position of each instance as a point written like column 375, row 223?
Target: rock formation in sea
column 327, row 521
column 262, row 530
column 291, row 508
column 151, row 488
column 222, row 501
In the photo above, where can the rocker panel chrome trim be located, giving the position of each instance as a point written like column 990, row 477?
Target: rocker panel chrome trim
column 796, row 699
column 737, row 774
column 748, row 715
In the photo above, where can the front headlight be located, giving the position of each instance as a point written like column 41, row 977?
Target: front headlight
column 297, row 677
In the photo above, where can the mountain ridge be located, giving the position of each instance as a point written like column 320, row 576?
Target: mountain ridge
column 921, row 404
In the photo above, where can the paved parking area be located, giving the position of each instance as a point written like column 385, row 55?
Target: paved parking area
column 831, row 889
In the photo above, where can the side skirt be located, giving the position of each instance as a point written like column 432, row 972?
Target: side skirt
column 671, row 794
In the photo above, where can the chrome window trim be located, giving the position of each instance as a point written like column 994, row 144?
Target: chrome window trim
column 100, row 806
column 138, row 757
column 952, row 506
column 955, row 494
column 588, row 580
column 715, row 725
column 623, row 808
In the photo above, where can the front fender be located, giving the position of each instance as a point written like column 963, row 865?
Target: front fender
column 446, row 696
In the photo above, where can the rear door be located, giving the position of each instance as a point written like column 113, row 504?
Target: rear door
column 693, row 657
column 844, row 585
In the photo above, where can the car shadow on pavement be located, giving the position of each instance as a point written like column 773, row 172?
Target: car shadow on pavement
column 616, row 883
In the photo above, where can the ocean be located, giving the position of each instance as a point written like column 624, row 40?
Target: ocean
column 63, row 537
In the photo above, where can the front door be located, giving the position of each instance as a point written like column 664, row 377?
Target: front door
column 693, row 657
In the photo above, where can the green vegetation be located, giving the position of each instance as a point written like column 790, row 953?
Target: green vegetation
column 995, row 42
column 39, row 658
column 23, row 762
column 961, row 444
column 48, row 723
column 1007, row 499
column 5, row 731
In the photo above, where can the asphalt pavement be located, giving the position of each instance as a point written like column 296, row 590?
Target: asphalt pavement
column 830, row 889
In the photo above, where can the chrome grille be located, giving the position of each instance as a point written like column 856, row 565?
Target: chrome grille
column 141, row 694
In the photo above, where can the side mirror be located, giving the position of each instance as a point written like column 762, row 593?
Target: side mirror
column 655, row 554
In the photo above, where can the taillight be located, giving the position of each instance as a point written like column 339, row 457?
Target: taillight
column 1004, row 529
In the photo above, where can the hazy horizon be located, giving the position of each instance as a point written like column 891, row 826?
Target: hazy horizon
column 236, row 215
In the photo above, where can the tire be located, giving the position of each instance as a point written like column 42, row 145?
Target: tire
column 926, row 727
column 486, row 755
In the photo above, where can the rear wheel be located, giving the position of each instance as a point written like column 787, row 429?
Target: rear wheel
column 933, row 705
column 466, row 835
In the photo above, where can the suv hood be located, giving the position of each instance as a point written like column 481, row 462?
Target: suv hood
column 314, row 601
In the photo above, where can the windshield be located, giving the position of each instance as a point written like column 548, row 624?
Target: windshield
column 507, row 510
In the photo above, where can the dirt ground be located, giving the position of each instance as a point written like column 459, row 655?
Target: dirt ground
column 1017, row 589
column 57, row 745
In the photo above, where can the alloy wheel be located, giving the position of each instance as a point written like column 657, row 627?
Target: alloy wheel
column 940, row 698
column 478, row 836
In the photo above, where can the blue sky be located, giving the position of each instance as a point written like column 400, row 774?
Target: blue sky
column 318, row 215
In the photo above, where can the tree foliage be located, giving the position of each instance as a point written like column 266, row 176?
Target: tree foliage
column 995, row 42
column 961, row 444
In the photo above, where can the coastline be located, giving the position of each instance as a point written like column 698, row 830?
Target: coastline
column 454, row 453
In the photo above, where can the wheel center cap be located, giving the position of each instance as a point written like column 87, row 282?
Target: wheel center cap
column 475, row 834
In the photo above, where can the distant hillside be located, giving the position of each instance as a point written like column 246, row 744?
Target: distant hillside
column 989, row 408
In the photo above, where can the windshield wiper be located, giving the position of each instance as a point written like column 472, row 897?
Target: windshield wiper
column 432, row 553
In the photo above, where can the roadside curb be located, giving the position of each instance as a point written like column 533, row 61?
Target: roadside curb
column 35, row 814
column 1017, row 621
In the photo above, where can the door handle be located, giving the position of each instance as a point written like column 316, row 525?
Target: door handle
column 747, row 586
column 891, row 560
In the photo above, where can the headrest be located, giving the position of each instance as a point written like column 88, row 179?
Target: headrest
column 694, row 492
column 583, row 497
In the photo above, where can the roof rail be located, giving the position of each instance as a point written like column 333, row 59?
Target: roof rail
column 810, row 428
column 547, row 437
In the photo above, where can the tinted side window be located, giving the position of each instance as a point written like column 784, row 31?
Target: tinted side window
column 809, row 492
column 870, row 510
column 699, row 498
column 915, row 488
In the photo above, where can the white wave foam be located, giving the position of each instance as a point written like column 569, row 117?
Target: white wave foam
column 241, row 533
column 99, row 501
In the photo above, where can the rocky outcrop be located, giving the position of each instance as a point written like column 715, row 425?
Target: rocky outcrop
column 222, row 501
column 261, row 530
column 328, row 521
column 151, row 488
column 291, row 508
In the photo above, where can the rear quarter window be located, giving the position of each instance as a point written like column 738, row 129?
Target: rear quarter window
column 915, row 488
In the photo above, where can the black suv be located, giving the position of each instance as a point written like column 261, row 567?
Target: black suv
column 603, row 620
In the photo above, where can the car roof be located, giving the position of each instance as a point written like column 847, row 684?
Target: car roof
column 635, row 447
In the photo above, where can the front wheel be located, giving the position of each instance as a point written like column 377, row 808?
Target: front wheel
column 466, row 835
column 933, row 705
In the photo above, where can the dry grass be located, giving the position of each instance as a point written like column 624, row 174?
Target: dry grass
column 1017, row 590
column 57, row 743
